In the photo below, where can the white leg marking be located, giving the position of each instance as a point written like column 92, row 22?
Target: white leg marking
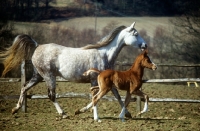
column 96, row 118
column 86, row 108
column 145, row 109
column 58, row 108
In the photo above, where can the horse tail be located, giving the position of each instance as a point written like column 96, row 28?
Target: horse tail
column 22, row 48
column 91, row 70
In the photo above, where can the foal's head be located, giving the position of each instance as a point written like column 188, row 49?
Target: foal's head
column 145, row 61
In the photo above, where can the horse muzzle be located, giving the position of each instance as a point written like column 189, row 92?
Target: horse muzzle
column 143, row 46
column 154, row 67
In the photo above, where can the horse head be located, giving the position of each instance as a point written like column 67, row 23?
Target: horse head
column 146, row 61
column 133, row 38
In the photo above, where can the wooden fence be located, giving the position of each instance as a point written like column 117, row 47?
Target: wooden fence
column 88, row 96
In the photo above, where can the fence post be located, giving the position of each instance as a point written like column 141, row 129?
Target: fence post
column 23, row 80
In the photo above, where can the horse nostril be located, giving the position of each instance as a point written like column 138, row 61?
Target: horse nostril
column 142, row 48
column 154, row 67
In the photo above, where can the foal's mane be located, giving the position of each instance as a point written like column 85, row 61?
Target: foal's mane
column 138, row 58
column 106, row 40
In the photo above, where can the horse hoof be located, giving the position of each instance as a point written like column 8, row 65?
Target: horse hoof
column 14, row 110
column 65, row 116
column 139, row 113
column 128, row 115
column 122, row 119
column 98, row 120
column 77, row 112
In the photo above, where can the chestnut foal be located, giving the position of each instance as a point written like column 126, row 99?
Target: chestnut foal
column 130, row 80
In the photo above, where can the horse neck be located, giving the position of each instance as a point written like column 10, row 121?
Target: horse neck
column 112, row 50
column 137, row 69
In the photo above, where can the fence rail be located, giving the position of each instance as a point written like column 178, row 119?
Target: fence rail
column 110, row 98
column 172, row 65
column 144, row 81
column 89, row 96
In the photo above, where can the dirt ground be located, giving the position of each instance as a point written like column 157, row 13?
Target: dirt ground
column 41, row 115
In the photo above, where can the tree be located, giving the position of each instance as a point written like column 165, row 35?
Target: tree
column 186, row 33
column 6, row 28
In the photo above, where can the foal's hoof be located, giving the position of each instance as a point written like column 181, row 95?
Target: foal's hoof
column 98, row 120
column 63, row 116
column 14, row 110
column 128, row 115
column 140, row 113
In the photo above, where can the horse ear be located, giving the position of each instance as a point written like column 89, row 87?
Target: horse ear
column 132, row 26
column 145, row 52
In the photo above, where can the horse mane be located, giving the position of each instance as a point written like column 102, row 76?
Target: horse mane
column 22, row 49
column 106, row 40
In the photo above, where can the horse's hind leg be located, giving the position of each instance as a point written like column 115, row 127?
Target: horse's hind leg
column 36, row 78
column 95, row 100
column 94, row 83
column 51, row 85
column 126, row 103
column 84, row 109
column 117, row 96
column 145, row 96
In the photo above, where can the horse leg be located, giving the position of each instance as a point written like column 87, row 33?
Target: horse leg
column 36, row 78
column 93, row 81
column 127, row 101
column 95, row 100
column 145, row 96
column 117, row 96
column 84, row 109
column 51, row 85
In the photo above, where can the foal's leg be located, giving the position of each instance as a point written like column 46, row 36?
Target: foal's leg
column 145, row 96
column 117, row 96
column 36, row 78
column 51, row 85
column 94, row 83
column 127, row 101
column 95, row 100
column 84, row 109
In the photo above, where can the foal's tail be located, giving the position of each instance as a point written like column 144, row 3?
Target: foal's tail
column 91, row 70
column 22, row 49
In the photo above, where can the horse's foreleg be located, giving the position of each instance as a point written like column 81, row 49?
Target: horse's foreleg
column 117, row 96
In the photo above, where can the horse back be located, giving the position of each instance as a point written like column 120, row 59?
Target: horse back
column 119, row 78
column 69, row 63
